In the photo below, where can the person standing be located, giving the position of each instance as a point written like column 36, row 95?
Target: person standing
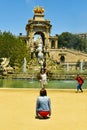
column 80, row 83
column 43, row 77
column 43, row 105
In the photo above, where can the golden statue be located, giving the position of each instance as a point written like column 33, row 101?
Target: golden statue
column 38, row 9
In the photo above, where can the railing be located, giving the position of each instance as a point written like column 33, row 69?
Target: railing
column 50, row 76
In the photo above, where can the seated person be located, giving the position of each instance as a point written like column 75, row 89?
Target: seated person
column 43, row 105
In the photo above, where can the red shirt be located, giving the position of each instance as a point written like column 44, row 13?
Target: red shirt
column 80, row 80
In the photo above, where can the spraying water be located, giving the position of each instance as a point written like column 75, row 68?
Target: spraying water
column 81, row 66
column 24, row 65
column 67, row 66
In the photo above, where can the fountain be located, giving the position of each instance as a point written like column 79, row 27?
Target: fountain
column 81, row 66
column 40, row 51
column 24, row 65
column 67, row 67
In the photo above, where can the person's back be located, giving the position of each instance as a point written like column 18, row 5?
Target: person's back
column 43, row 105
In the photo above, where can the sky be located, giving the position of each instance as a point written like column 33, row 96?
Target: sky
column 64, row 15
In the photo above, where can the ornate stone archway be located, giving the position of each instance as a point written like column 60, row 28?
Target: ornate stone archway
column 38, row 25
column 41, row 26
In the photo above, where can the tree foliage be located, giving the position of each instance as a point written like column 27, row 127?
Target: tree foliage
column 72, row 41
column 12, row 47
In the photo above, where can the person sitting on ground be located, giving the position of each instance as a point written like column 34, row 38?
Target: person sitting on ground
column 43, row 105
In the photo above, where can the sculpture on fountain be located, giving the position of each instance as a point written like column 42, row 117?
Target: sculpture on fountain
column 4, row 66
column 40, row 54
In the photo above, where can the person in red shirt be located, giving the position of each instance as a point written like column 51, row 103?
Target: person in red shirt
column 80, row 83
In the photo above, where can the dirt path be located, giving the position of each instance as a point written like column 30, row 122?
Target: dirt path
column 17, row 110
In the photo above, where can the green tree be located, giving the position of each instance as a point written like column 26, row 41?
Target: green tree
column 72, row 41
column 12, row 47
column 65, row 39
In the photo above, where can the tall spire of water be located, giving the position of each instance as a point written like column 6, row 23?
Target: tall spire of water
column 81, row 66
column 24, row 65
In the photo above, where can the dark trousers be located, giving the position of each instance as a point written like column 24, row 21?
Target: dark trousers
column 79, row 87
